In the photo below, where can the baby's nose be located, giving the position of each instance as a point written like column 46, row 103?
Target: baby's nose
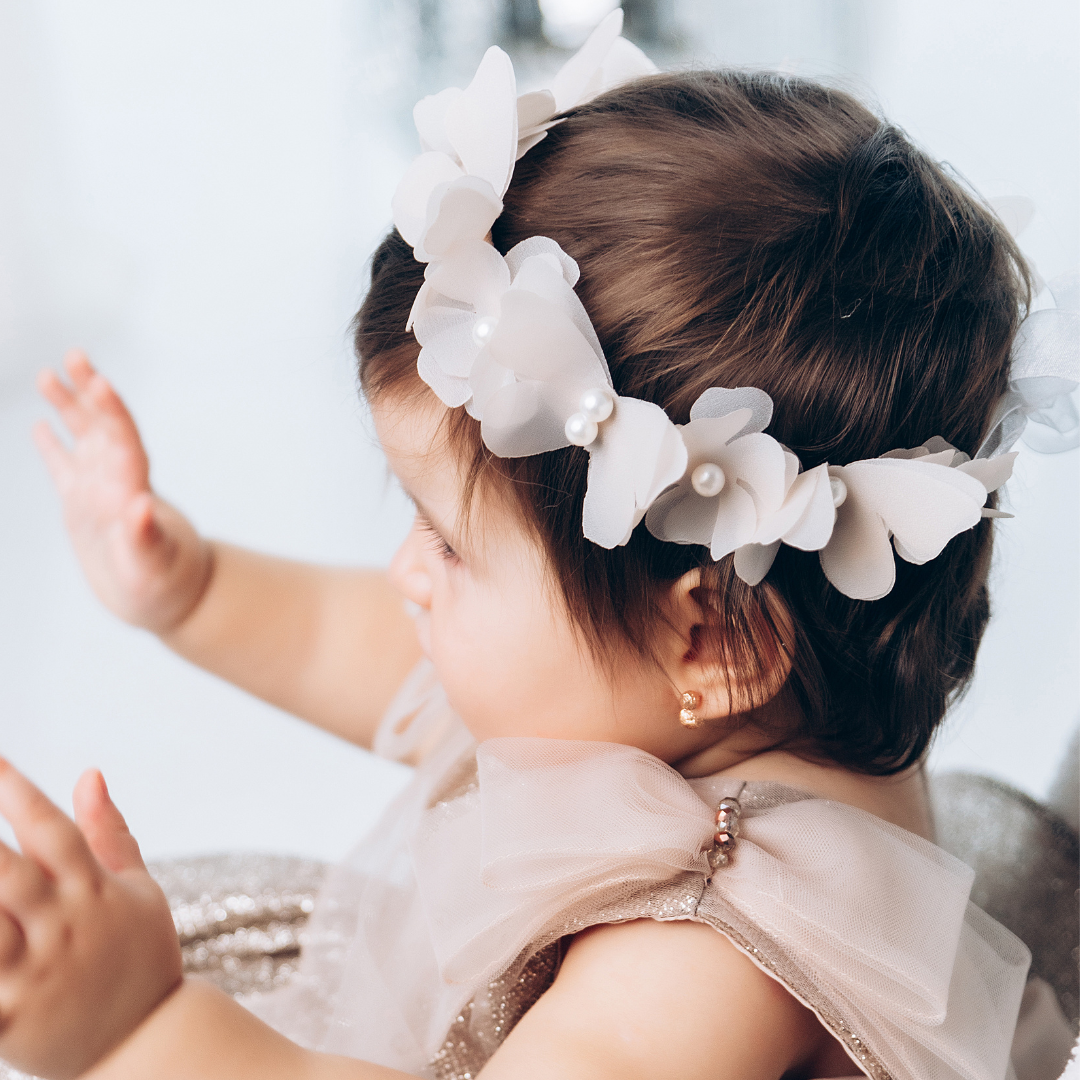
column 407, row 571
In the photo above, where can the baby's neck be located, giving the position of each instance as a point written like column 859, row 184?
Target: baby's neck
column 901, row 799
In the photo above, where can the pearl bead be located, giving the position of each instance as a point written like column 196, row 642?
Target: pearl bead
column 596, row 404
column 483, row 328
column 708, row 479
column 839, row 490
column 580, row 430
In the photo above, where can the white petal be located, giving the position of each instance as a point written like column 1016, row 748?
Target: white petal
column 534, row 109
column 814, row 528
column 719, row 401
column 736, row 520
column 519, row 420
column 429, row 115
column 707, row 438
column 474, row 273
column 757, row 462
column 537, row 341
column 545, row 275
column 462, row 210
column 571, row 85
column 482, row 125
column 805, row 518
column 449, row 389
column 923, row 505
column 637, row 454
column 858, row 559
column 434, row 320
column 624, row 63
column 485, row 379
column 529, row 140
column 453, row 350
column 682, row 516
column 990, row 472
column 542, row 245
column 754, row 561
column 410, row 201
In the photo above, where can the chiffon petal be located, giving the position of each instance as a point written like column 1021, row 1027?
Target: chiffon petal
column 449, row 389
column 991, row 472
column 858, row 559
column 682, row 516
column 482, row 123
column 520, row 419
column 461, row 210
column 580, row 77
column 754, row 561
column 719, row 401
column 410, row 202
column 474, row 273
column 736, row 520
column 536, row 340
column 429, row 116
column 637, row 454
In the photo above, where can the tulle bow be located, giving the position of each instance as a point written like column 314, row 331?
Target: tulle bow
column 553, row 823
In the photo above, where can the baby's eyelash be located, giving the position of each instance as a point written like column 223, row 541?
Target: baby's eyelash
column 436, row 539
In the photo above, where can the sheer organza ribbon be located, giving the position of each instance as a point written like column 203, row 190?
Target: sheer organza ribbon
column 877, row 916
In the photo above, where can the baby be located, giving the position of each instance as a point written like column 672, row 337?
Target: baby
column 675, row 673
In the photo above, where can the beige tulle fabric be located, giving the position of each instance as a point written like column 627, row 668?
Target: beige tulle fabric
column 438, row 932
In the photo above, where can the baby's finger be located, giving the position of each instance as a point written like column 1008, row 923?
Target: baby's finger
column 44, row 832
column 60, row 397
column 23, row 884
column 103, row 825
column 12, row 940
column 56, row 455
column 80, row 370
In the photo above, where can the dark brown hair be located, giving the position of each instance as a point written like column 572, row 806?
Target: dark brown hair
column 739, row 229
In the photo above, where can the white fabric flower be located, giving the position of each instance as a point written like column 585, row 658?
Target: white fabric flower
column 917, row 499
column 1045, row 373
column 458, row 307
column 605, row 61
column 542, row 369
column 472, row 138
column 725, row 433
column 469, row 137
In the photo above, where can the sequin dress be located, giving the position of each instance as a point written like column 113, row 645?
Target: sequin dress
column 439, row 932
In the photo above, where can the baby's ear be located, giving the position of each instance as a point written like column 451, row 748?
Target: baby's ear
column 736, row 660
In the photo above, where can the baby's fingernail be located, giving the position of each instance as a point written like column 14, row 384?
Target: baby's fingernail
column 101, row 784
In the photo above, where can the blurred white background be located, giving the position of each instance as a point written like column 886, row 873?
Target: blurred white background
column 191, row 191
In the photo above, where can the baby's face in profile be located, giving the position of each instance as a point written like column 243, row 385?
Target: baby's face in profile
column 491, row 615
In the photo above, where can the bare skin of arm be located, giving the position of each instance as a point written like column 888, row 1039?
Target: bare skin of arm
column 90, row 983
column 328, row 645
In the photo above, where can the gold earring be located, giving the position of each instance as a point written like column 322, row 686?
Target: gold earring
column 687, row 716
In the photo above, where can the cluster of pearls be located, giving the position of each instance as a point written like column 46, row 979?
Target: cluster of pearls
column 687, row 716
column 594, row 407
column 727, row 829
column 708, row 479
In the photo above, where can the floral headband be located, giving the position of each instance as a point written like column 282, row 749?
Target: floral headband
column 508, row 339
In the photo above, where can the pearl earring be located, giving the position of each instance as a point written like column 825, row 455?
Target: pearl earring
column 687, row 716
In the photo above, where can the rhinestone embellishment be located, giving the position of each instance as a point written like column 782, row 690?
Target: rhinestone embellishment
column 727, row 830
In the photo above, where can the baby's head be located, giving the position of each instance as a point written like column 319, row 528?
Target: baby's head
column 731, row 230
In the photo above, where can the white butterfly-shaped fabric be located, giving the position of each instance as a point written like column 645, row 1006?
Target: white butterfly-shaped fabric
column 471, row 138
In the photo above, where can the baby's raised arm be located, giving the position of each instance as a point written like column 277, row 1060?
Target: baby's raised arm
column 329, row 645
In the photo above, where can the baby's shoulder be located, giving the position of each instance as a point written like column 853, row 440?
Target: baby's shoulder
column 648, row 998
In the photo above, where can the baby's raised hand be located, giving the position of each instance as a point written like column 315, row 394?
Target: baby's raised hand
column 141, row 556
column 87, row 944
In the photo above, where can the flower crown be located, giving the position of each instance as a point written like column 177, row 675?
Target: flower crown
column 508, row 339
